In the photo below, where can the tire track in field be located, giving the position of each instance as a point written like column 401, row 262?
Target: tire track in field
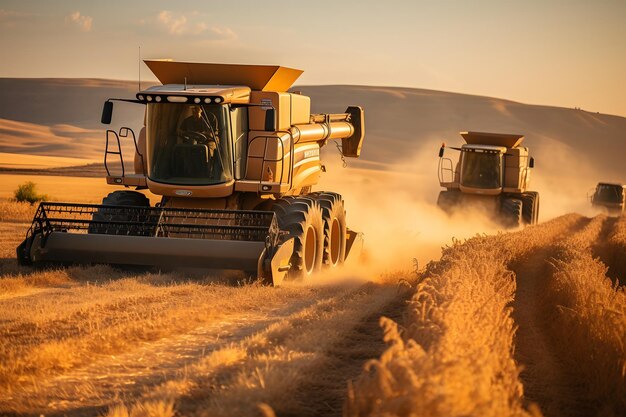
column 610, row 252
column 327, row 386
column 545, row 377
column 175, row 360
column 89, row 390
column 300, row 365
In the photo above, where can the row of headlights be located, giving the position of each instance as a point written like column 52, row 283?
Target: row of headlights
column 178, row 99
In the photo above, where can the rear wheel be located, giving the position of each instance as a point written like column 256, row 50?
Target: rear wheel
column 103, row 215
column 530, row 207
column 335, row 230
column 301, row 218
column 511, row 211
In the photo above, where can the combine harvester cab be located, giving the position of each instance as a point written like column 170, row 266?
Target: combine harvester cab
column 234, row 157
column 493, row 173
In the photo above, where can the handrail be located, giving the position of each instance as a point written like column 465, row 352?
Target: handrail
column 123, row 133
column 441, row 169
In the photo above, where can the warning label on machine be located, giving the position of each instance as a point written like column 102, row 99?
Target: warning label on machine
column 266, row 103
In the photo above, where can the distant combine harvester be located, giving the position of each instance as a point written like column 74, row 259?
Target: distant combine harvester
column 493, row 171
column 610, row 196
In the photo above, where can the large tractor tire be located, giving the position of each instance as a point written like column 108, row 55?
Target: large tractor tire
column 530, row 207
column 120, row 198
column 448, row 200
column 335, row 229
column 301, row 218
column 511, row 211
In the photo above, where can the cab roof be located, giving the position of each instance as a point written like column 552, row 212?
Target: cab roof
column 494, row 139
column 613, row 184
column 490, row 148
column 257, row 77
column 228, row 93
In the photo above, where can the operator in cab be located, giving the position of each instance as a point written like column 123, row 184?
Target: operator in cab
column 194, row 129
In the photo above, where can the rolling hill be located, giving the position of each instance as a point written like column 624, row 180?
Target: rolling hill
column 573, row 148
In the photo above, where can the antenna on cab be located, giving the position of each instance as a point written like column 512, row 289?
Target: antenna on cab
column 139, row 69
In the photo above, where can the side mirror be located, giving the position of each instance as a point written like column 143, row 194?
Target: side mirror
column 441, row 150
column 531, row 163
column 270, row 120
column 107, row 113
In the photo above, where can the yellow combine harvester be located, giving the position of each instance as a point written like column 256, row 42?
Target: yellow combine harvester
column 493, row 171
column 234, row 157
column 610, row 196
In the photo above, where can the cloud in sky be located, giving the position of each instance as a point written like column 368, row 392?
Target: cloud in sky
column 182, row 25
column 9, row 18
column 174, row 25
column 8, row 14
column 224, row 33
column 83, row 22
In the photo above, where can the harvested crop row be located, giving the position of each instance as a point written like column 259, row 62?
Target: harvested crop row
column 455, row 356
column 53, row 333
column 588, row 321
column 284, row 365
column 616, row 251
column 546, row 378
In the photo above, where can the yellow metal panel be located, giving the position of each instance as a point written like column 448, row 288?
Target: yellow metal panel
column 516, row 157
column 254, row 169
column 512, row 177
column 279, row 101
column 268, row 150
column 300, row 109
column 132, row 180
column 306, row 175
column 256, row 146
column 202, row 191
column 257, row 77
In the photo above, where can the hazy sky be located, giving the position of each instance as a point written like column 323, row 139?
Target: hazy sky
column 565, row 53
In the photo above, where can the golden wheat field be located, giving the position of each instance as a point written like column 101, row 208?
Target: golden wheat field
column 525, row 323
column 531, row 322
column 443, row 316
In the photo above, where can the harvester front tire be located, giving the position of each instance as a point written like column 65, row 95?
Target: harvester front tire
column 512, row 212
column 335, row 229
column 530, row 209
column 448, row 200
column 116, row 198
column 301, row 218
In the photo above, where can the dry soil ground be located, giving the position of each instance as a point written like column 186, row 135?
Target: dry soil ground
column 513, row 324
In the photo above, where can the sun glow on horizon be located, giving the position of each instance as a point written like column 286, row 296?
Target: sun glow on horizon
column 562, row 53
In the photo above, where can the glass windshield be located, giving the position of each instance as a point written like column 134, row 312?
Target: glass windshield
column 239, row 121
column 188, row 144
column 481, row 170
column 609, row 193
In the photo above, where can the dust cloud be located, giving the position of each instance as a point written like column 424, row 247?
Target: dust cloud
column 564, row 178
column 395, row 208
column 395, row 205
